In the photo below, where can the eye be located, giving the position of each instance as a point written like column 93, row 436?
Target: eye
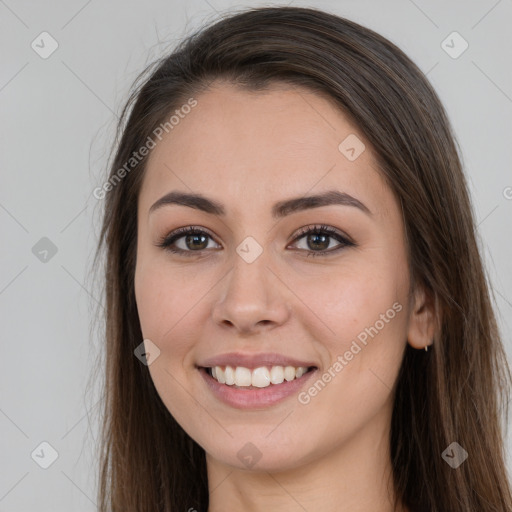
column 194, row 241
column 318, row 240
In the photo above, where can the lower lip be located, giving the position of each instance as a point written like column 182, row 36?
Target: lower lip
column 255, row 398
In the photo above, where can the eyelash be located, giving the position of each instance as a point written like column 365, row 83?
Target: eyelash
column 167, row 241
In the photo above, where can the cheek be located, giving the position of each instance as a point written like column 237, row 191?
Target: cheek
column 165, row 302
column 164, row 297
column 361, row 311
column 369, row 321
column 353, row 298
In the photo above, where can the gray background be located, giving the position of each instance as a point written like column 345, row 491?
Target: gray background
column 58, row 119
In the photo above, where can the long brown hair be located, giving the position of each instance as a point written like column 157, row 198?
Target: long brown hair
column 456, row 392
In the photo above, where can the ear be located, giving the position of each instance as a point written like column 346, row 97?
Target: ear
column 421, row 328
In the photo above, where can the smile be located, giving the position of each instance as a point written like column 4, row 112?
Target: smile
column 256, row 389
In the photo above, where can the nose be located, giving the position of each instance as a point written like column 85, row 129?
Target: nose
column 252, row 298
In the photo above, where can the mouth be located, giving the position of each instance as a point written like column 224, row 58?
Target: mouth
column 240, row 377
column 255, row 389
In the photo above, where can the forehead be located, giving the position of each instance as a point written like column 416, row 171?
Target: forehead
column 252, row 148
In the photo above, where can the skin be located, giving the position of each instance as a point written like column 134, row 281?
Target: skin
column 249, row 150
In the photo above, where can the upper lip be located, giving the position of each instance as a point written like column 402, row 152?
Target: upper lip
column 252, row 361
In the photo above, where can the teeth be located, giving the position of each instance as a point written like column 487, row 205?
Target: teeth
column 218, row 374
column 260, row 377
column 289, row 373
column 229, row 375
column 243, row 376
column 277, row 374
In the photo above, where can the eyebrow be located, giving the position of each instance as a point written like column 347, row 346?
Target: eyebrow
column 279, row 210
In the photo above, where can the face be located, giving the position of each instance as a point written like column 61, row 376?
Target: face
column 263, row 285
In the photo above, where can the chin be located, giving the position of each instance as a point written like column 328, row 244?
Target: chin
column 260, row 455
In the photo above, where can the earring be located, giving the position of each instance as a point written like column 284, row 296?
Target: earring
column 426, row 348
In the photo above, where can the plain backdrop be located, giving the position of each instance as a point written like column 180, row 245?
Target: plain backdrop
column 58, row 117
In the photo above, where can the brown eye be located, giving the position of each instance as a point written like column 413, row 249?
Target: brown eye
column 187, row 241
column 196, row 242
column 318, row 240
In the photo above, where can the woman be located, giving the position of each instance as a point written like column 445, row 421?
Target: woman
column 243, row 374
